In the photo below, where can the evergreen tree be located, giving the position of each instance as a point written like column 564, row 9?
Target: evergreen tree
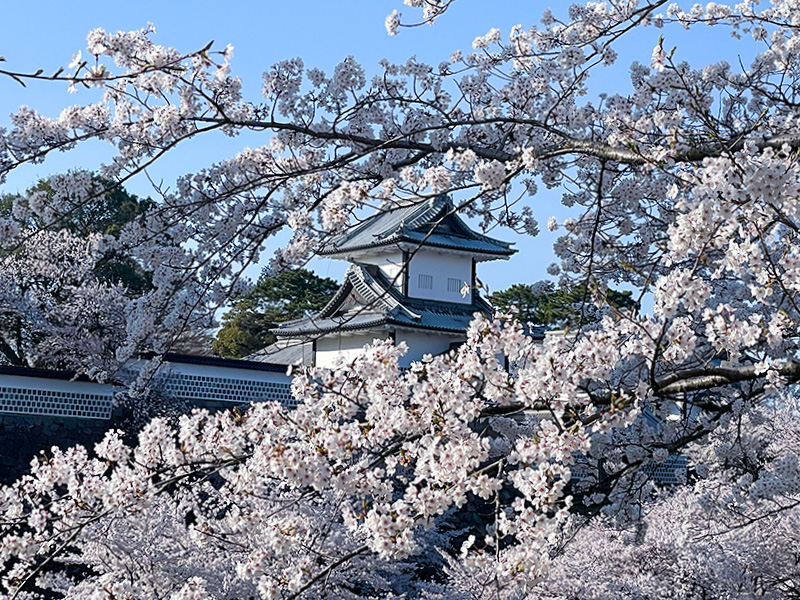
column 541, row 303
column 49, row 277
column 246, row 327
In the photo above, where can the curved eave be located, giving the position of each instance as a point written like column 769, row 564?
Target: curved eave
column 490, row 254
column 333, row 251
column 398, row 242
column 381, row 322
column 417, row 224
column 377, row 291
column 383, row 306
column 339, row 297
column 313, row 330
column 356, row 279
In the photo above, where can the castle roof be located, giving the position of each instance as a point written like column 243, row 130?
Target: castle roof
column 367, row 300
column 433, row 223
column 286, row 351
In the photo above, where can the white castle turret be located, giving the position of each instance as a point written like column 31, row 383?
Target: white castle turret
column 412, row 279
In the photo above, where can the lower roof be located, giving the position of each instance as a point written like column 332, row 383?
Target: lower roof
column 286, row 352
column 368, row 300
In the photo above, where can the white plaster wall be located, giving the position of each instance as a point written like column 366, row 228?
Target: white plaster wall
column 331, row 347
column 420, row 344
column 440, row 266
column 390, row 263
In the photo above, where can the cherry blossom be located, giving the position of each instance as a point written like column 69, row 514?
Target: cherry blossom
column 499, row 468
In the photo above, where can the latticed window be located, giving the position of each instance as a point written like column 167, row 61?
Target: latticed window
column 198, row 387
column 454, row 285
column 32, row 401
column 425, row 281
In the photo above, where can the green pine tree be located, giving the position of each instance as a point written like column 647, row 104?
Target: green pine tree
column 246, row 327
column 543, row 304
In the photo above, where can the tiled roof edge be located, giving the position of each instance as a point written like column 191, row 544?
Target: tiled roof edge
column 43, row 373
column 215, row 361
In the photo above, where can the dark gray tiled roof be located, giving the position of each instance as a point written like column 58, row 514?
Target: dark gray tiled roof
column 43, row 373
column 432, row 223
column 315, row 326
column 367, row 300
column 215, row 361
column 285, row 352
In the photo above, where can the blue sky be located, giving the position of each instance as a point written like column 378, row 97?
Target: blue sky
column 45, row 34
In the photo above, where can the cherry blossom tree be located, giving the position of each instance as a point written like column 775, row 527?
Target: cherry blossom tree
column 72, row 291
column 65, row 299
column 54, row 310
column 684, row 186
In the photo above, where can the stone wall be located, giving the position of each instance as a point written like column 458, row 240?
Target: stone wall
column 23, row 437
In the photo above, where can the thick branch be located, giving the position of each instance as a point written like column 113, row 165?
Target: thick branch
column 325, row 572
column 568, row 146
column 689, row 380
column 694, row 380
column 10, row 355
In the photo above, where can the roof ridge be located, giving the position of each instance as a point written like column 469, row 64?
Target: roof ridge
column 406, row 224
column 478, row 234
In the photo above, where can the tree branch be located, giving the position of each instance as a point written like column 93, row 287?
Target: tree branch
column 693, row 380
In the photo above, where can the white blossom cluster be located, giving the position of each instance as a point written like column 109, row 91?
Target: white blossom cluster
column 388, row 453
column 55, row 311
